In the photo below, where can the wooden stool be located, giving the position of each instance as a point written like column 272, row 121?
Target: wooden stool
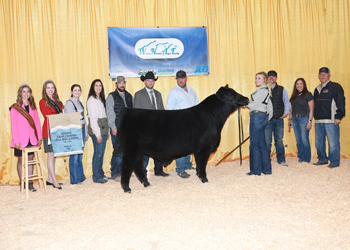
column 37, row 161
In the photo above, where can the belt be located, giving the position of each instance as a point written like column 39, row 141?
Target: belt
column 83, row 126
column 296, row 115
column 256, row 111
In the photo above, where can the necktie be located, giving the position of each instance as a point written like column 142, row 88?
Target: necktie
column 152, row 99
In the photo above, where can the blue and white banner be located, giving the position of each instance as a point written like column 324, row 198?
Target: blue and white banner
column 134, row 51
column 66, row 134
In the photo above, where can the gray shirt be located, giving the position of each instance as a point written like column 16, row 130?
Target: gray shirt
column 261, row 101
column 69, row 108
column 110, row 109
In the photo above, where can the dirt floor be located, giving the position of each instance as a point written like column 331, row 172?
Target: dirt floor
column 301, row 206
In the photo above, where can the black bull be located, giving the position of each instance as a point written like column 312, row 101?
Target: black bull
column 169, row 134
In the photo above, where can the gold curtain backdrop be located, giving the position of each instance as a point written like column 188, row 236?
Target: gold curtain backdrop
column 66, row 41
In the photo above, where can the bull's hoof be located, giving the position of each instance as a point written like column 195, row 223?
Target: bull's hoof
column 204, row 180
column 146, row 184
column 126, row 189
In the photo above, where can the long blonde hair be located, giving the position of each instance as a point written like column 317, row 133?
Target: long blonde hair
column 263, row 73
column 46, row 97
column 31, row 98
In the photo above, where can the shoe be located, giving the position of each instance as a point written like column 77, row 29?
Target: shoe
column 284, row 164
column 51, row 184
column 103, row 181
column 330, row 166
column 31, row 187
column 115, row 178
column 162, row 174
column 266, row 173
column 320, row 163
column 251, row 173
column 184, row 175
column 300, row 160
column 59, row 187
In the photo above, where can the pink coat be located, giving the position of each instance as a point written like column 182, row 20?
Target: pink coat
column 22, row 132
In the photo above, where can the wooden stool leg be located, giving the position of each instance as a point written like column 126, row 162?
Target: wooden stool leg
column 41, row 167
column 38, row 169
column 23, row 172
column 26, row 172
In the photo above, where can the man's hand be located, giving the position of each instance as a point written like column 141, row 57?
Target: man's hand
column 99, row 139
column 284, row 116
column 337, row 121
column 114, row 132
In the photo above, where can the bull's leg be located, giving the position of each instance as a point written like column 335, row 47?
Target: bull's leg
column 140, row 173
column 201, row 162
column 127, row 169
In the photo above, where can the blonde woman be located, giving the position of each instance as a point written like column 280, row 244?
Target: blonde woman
column 25, row 127
column 261, row 112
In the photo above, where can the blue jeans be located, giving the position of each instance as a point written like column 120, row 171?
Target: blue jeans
column 183, row 164
column 332, row 132
column 76, row 170
column 158, row 166
column 97, row 159
column 302, row 138
column 276, row 125
column 259, row 152
column 116, row 161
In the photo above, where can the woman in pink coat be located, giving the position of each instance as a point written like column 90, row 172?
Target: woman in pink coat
column 23, row 133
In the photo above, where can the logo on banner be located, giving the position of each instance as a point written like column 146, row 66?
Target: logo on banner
column 144, row 71
column 159, row 48
column 162, row 72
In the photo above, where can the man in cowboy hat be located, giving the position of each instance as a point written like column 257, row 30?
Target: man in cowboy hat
column 149, row 98
column 115, row 102
column 182, row 97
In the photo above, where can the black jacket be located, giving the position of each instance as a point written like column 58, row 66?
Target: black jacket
column 323, row 101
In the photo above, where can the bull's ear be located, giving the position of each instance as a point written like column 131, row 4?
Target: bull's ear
column 226, row 86
column 221, row 94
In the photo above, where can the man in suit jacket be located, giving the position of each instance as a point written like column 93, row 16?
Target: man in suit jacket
column 149, row 98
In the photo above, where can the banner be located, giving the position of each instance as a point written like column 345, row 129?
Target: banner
column 66, row 134
column 135, row 51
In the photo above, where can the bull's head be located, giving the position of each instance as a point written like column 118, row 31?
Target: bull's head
column 229, row 95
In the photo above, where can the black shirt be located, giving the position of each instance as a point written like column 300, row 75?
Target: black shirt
column 300, row 105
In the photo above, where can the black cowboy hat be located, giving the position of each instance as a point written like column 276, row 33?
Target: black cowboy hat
column 149, row 75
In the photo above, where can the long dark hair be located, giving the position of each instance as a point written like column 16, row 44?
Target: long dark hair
column 92, row 91
column 295, row 91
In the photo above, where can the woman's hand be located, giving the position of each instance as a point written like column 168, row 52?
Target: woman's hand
column 39, row 143
column 18, row 145
column 99, row 139
column 308, row 125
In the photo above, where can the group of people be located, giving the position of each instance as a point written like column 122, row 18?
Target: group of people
column 102, row 123
column 270, row 105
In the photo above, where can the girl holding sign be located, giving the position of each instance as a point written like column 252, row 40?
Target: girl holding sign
column 50, row 105
column 76, row 169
